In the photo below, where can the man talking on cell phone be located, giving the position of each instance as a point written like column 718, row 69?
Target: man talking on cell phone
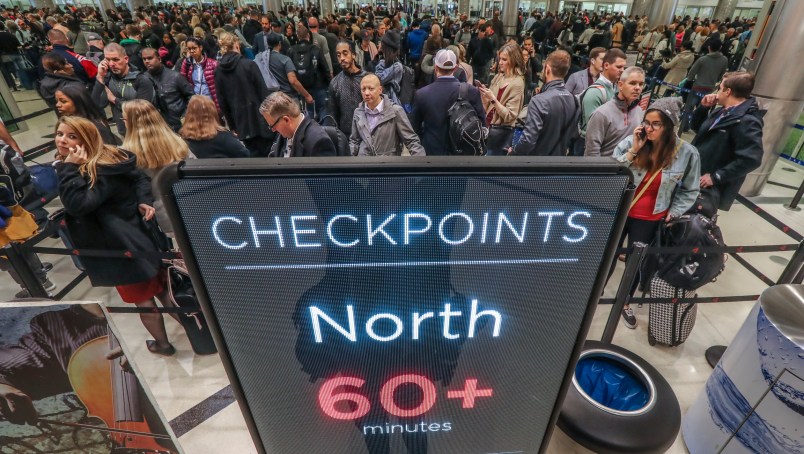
column 730, row 138
column 118, row 82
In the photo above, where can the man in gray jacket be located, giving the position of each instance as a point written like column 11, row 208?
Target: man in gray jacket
column 380, row 127
column 552, row 114
column 618, row 117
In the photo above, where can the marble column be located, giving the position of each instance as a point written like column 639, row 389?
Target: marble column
column 725, row 9
column 44, row 4
column 104, row 5
column 326, row 7
column 134, row 4
column 778, row 83
column 640, row 7
column 661, row 12
column 553, row 5
column 510, row 15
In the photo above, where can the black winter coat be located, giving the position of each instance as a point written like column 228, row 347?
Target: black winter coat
column 241, row 89
column 106, row 217
column 731, row 148
column 52, row 83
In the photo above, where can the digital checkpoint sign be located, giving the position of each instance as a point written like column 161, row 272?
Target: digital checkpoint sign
column 399, row 305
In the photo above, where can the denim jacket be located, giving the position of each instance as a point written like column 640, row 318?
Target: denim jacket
column 680, row 183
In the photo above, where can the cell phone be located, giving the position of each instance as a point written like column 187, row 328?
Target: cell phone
column 642, row 134
column 477, row 83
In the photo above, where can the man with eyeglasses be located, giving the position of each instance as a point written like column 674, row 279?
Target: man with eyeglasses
column 299, row 135
column 618, row 117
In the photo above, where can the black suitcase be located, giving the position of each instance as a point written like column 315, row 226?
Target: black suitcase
column 670, row 323
column 182, row 294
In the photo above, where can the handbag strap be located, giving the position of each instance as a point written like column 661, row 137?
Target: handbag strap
column 644, row 188
column 653, row 177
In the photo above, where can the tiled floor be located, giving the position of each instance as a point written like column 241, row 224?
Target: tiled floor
column 181, row 382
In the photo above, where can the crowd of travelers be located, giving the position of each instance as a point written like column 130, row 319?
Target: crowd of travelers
column 183, row 82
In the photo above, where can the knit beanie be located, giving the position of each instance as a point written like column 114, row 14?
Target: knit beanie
column 391, row 39
column 670, row 106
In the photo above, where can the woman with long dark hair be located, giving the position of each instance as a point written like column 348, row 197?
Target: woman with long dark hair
column 75, row 101
column 290, row 34
column 107, row 203
column 667, row 174
column 199, row 69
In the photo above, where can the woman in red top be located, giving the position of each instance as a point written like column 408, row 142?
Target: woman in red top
column 665, row 168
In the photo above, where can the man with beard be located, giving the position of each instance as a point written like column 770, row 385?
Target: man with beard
column 173, row 90
column 551, row 114
column 344, row 90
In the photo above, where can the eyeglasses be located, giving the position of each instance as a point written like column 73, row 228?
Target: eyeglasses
column 655, row 125
column 273, row 125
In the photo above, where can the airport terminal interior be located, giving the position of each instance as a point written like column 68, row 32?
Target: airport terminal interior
column 193, row 395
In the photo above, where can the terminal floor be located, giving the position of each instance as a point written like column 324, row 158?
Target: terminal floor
column 192, row 391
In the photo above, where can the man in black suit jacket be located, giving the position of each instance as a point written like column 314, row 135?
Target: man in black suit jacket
column 429, row 115
column 300, row 136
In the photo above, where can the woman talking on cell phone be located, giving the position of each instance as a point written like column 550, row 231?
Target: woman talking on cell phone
column 666, row 172
column 108, row 203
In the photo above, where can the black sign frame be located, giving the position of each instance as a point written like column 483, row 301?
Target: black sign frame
column 388, row 166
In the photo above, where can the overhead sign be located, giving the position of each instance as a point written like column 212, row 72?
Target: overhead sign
column 378, row 308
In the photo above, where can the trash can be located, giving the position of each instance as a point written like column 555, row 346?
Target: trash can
column 754, row 399
column 618, row 403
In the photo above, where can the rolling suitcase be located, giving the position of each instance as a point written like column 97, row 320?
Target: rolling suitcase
column 670, row 323
column 182, row 294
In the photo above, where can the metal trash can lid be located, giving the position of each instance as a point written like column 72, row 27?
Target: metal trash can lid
column 784, row 307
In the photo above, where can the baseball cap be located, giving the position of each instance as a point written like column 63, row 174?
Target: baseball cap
column 93, row 37
column 445, row 59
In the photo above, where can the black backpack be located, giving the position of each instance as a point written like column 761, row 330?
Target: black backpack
column 465, row 129
column 14, row 174
column 336, row 135
column 306, row 63
column 407, row 88
column 690, row 270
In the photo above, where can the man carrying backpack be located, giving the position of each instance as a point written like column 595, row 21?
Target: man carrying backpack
column 312, row 72
column 428, row 117
column 599, row 93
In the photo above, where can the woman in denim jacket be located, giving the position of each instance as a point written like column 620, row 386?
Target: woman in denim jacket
column 666, row 172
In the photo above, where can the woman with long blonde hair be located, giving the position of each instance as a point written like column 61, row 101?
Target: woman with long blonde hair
column 503, row 99
column 150, row 138
column 204, row 134
column 108, row 203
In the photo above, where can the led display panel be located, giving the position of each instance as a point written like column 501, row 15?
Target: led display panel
column 382, row 309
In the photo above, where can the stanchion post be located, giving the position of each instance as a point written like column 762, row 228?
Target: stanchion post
column 14, row 252
column 796, row 198
column 794, row 267
column 624, row 290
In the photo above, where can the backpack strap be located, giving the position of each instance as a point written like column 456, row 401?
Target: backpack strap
column 462, row 91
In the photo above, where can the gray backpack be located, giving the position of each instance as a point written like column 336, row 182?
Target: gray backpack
column 263, row 61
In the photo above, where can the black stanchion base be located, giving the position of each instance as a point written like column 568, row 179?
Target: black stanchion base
column 714, row 353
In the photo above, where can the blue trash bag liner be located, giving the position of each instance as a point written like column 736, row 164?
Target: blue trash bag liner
column 611, row 383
